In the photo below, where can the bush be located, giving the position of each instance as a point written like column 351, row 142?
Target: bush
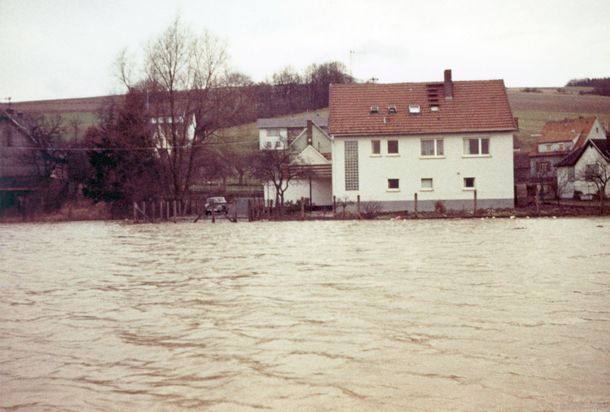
column 439, row 207
column 370, row 210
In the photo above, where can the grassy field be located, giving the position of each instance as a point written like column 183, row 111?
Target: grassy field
column 533, row 109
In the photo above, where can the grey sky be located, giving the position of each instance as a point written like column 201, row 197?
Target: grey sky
column 66, row 48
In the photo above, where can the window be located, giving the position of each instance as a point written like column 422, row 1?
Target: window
column 427, row 184
column 434, row 108
column 571, row 174
column 275, row 132
column 393, row 184
column 591, row 171
column 549, row 148
column 469, row 183
column 351, row 165
column 432, row 147
column 375, row 147
column 392, row 146
column 392, row 109
column 476, row 146
column 8, row 135
column 374, row 109
column 561, row 147
column 414, row 109
column 543, row 167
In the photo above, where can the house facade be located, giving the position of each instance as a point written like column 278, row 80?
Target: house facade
column 312, row 148
column 580, row 174
column 279, row 133
column 440, row 142
column 558, row 138
column 19, row 174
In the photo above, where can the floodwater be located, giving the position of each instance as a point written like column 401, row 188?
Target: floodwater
column 387, row 315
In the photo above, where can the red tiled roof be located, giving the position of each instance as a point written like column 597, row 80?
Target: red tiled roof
column 567, row 130
column 476, row 106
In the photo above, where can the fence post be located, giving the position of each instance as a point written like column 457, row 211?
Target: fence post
column 415, row 200
column 175, row 208
column 334, row 206
column 135, row 212
column 358, row 205
column 302, row 208
column 474, row 212
column 249, row 210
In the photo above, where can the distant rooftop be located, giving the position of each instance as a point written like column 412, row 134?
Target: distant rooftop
column 292, row 122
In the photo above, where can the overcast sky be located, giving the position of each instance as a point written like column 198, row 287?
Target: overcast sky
column 66, row 48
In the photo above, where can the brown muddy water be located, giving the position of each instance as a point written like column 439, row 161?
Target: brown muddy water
column 393, row 315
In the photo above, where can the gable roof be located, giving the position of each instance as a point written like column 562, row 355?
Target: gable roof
column 476, row 106
column 292, row 122
column 602, row 146
column 567, row 130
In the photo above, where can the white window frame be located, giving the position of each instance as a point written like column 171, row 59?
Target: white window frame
column 479, row 147
column 426, row 188
column 396, row 189
column 397, row 153
column 436, row 155
column 373, row 154
column 276, row 132
column 474, row 183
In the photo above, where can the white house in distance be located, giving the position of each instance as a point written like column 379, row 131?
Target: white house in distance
column 307, row 137
column 577, row 173
column 441, row 141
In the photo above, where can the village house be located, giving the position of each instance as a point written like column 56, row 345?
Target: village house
column 19, row 175
column 279, row 133
column 308, row 139
column 442, row 141
column 558, row 138
column 585, row 172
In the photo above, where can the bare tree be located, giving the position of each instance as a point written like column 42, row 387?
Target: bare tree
column 190, row 94
column 597, row 174
column 278, row 168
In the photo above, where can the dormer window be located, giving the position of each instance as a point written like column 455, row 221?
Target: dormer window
column 414, row 109
column 392, row 109
column 434, row 108
column 374, row 109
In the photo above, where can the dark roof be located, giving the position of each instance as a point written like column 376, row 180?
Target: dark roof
column 602, row 145
column 476, row 106
column 292, row 122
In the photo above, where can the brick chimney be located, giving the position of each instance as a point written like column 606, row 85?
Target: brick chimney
column 309, row 133
column 448, row 85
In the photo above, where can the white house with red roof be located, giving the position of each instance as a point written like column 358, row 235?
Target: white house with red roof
column 558, row 138
column 585, row 172
column 440, row 141
column 307, row 139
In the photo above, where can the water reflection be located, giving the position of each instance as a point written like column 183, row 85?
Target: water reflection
column 415, row 315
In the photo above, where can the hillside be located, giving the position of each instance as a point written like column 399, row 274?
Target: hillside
column 533, row 109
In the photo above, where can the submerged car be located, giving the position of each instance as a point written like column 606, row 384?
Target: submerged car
column 217, row 204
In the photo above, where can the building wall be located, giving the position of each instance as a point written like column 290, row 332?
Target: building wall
column 597, row 130
column 275, row 142
column 555, row 147
column 493, row 173
column 15, row 160
column 297, row 189
column 568, row 186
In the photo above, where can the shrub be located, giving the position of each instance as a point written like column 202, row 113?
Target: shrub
column 439, row 207
column 370, row 210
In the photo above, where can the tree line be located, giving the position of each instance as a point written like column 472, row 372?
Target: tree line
column 601, row 86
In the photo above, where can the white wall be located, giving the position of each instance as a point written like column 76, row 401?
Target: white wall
column 590, row 156
column 493, row 173
column 321, row 191
column 597, row 130
column 263, row 138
